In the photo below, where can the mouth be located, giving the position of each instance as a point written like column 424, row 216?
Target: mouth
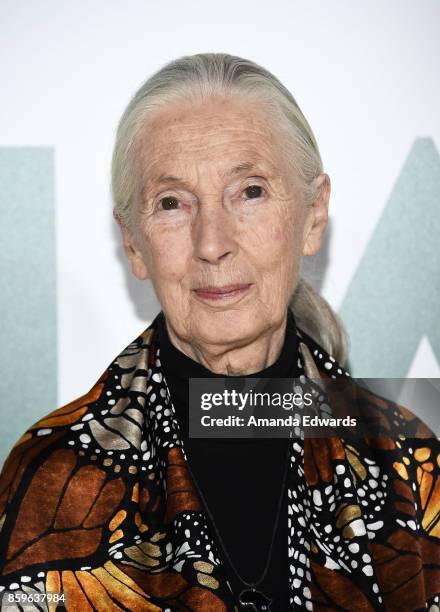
column 222, row 293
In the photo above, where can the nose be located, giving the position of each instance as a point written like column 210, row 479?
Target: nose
column 213, row 234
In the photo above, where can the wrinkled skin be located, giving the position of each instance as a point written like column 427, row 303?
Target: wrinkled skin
column 210, row 229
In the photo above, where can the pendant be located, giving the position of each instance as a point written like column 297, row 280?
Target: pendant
column 255, row 600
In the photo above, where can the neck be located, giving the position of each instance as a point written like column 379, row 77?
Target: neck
column 254, row 356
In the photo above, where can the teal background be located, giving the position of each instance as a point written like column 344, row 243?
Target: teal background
column 28, row 349
column 393, row 298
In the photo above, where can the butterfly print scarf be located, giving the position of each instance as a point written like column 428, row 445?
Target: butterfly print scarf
column 96, row 502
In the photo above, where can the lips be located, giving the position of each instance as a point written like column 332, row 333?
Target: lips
column 227, row 291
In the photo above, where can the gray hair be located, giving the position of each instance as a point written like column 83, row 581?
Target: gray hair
column 201, row 76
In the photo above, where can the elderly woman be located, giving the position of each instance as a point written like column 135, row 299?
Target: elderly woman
column 107, row 503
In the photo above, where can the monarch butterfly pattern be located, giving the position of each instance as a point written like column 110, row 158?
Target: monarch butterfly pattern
column 96, row 502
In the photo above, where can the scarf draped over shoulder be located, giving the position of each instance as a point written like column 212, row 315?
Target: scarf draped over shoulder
column 96, row 502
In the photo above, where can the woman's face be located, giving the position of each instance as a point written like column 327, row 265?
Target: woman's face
column 220, row 225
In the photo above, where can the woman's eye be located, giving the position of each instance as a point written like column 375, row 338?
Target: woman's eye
column 168, row 203
column 253, row 191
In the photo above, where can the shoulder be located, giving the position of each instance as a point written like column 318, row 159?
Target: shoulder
column 405, row 454
column 54, row 455
column 396, row 419
column 403, row 449
column 49, row 428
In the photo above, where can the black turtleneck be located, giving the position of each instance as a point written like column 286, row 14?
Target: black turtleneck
column 240, row 478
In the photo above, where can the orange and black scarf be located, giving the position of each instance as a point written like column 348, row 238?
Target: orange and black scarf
column 96, row 501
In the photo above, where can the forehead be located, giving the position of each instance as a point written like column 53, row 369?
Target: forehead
column 232, row 135
column 209, row 115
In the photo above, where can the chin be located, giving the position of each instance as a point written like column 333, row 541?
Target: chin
column 225, row 326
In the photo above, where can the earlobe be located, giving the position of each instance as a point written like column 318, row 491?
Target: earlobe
column 139, row 269
column 317, row 217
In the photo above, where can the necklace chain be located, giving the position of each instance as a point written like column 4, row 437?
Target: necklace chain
column 211, row 518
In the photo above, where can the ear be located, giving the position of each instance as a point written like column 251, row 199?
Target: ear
column 134, row 255
column 317, row 217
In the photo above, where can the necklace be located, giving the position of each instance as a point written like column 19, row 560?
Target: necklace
column 250, row 597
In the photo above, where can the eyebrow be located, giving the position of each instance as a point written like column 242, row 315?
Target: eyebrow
column 235, row 170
